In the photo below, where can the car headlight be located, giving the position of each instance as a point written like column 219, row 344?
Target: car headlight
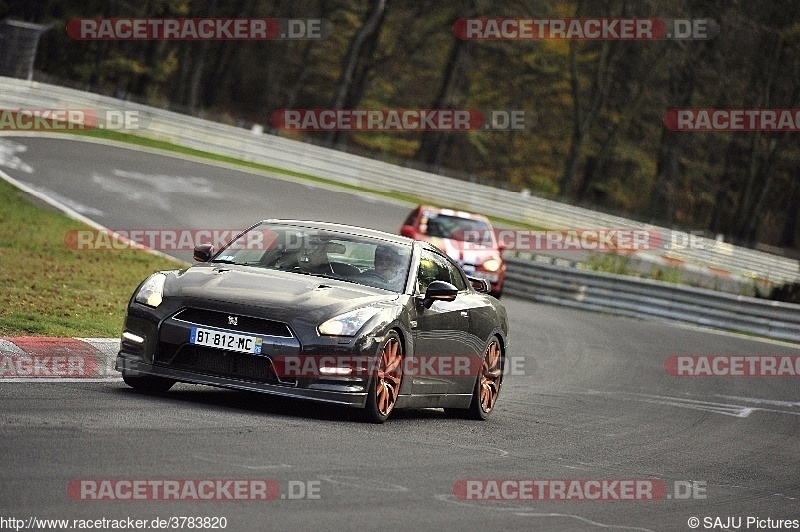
column 349, row 323
column 491, row 265
column 152, row 291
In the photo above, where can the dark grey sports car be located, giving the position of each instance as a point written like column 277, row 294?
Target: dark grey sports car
column 324, row 312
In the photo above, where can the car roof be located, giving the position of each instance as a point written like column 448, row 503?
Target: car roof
column 344, row 228
column 453, row 212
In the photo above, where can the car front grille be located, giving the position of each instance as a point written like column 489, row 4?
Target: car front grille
column 244, row 324
column 208, row 361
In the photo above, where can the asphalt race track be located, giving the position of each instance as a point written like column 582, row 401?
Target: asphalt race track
column 588, row 398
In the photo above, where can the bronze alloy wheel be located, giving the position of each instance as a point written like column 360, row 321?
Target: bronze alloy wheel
column 491, row 375
column 386, row 380
column 487, row 385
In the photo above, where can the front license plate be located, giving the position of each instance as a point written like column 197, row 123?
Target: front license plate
column 469, row 269
column 227, row 341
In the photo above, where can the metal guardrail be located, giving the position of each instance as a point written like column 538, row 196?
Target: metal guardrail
column 644, row 298
column 359, row 171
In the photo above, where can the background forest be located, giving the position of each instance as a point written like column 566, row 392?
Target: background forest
column 599, row 138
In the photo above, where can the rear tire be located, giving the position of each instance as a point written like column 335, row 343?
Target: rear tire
column 487, row 385
column 148, row 383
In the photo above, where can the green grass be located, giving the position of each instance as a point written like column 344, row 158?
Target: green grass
column 609, row 263
column 51, row 290
column 667, row 274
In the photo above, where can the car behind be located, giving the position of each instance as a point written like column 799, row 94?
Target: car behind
column 467, row 238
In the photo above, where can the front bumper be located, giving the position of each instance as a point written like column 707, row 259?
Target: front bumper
column 134, row 366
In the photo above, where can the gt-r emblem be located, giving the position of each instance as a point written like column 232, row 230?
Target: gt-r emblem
column 233, row 320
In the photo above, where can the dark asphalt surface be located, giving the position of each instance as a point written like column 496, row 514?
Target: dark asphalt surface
column 589, row 399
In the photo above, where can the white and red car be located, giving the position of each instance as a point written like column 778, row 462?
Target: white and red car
column 467, row 238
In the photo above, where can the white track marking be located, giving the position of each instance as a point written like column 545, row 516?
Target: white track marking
column 525, row 512
column 9, row 159
column 693, row 404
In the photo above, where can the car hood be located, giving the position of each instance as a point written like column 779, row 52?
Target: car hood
column 282, row 296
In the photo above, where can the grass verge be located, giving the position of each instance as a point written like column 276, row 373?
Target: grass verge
column 51, row 290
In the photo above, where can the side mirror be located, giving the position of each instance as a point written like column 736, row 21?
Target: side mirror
column 203, row 252
column 480, row 285
column 439, row 291
column 408, row 231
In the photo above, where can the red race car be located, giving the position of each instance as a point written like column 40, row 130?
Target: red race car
column 467, row 238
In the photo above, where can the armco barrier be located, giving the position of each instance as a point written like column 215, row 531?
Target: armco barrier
column 350, row 169
column 643, row 298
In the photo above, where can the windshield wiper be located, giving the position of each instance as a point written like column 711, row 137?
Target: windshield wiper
column 304, row 272
column 227, row 261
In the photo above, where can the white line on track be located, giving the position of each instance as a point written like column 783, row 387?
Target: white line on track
column 693, row 404
column 525, row 512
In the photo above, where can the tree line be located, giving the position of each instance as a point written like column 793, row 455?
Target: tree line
column 598, row 137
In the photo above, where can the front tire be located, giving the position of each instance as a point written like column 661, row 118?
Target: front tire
column 148, row 383
column 386, row 379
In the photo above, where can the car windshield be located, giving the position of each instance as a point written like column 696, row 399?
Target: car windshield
column 332, row 254
column 458, row 228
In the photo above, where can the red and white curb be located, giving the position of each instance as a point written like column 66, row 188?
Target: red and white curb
column 43, row 359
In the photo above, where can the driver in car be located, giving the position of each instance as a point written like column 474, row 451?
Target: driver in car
column 388, row 264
